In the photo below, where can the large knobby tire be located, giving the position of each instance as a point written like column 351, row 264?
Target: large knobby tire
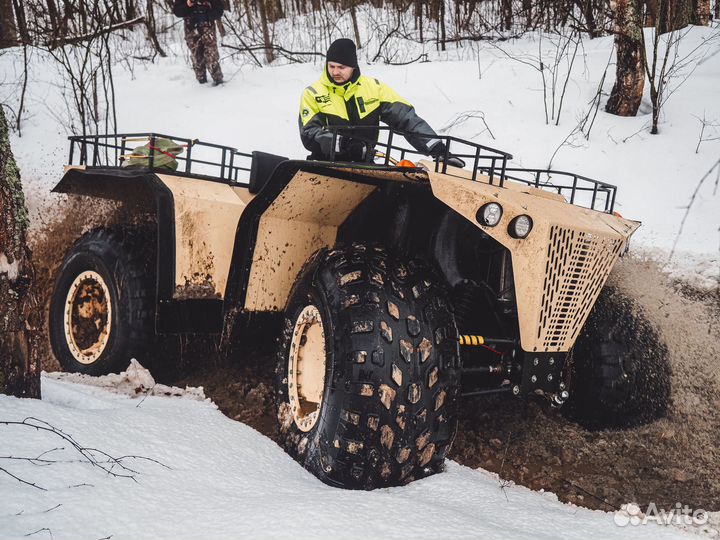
column 102, row 309
column 620, row 374
column 374, row 401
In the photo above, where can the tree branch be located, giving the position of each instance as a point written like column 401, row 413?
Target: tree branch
column 101, row 31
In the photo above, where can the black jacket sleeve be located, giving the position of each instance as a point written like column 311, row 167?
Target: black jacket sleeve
column 402, row 117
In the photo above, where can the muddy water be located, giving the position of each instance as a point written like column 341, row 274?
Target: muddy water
column 676, row 459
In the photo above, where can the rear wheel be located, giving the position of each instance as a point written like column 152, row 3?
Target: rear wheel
column 368, row 369
column 103, row 305
column 620, row 373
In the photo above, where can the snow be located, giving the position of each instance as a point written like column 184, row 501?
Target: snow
column 10, row 269
column 191, row 472
column 134, row 381
column 257, row 110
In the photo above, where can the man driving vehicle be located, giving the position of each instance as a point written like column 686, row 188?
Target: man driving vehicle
column 344, row 97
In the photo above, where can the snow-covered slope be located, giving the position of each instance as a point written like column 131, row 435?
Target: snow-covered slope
column 197, row 474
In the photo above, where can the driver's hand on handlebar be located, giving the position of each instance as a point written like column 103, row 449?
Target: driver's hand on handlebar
column 439, row 150
column 349, row 149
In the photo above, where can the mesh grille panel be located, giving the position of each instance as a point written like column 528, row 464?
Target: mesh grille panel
column 577, row 266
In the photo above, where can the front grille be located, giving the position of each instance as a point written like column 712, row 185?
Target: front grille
column 578, row 263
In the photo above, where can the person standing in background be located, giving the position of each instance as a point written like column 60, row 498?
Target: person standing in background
column 200, row 36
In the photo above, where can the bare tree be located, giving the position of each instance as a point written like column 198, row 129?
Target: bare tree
column 356, row 28
column 19, row 361
column 555, row 71
column 665, row 65
column 86, row 64
column 713, row 129
column 627, row 91
column 151, row 28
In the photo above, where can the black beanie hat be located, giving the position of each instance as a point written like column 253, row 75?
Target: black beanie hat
column 343, row 52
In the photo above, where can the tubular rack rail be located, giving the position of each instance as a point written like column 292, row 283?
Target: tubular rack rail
column 577, row 189
column 201, row 159
column 491, row 162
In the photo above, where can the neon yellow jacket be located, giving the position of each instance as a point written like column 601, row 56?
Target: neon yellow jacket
column 362, row 101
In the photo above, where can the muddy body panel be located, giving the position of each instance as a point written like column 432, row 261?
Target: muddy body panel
column 301, row 220
column 205, row 214
column 300, row 210
column 195, row 217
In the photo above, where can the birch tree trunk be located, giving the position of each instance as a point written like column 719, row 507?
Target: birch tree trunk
column 627, row 91
column 19, row 361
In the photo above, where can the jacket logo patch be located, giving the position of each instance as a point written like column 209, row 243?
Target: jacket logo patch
column 305, row 112
column 322, row 99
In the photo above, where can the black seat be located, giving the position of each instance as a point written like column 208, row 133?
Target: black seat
column 263, row 165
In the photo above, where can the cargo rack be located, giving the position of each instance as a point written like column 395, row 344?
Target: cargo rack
column 492, row 163
column 227, row 164
column 201, row 159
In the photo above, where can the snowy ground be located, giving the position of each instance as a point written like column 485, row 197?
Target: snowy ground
column 184, row 471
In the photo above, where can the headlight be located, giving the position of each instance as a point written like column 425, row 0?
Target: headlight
column 489, row 214
column 520, row 226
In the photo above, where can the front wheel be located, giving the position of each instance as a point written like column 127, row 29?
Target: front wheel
column 620, row 374
column 368, row 369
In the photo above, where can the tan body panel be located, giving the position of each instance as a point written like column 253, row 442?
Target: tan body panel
column 559, row 268
column 304, row 218
column 206, row 218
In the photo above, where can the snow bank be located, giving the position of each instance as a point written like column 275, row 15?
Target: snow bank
column 136, row 381
column 175, row 468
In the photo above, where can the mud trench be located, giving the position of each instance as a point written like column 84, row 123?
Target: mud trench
column 674, row 460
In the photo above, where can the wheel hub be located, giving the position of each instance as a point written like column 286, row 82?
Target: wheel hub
column 87, row 317
column 306, row 369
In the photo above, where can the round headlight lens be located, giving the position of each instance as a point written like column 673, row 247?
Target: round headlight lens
column 489, row 214
column 520, row 226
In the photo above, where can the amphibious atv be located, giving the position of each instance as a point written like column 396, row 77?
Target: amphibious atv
column 405, row 287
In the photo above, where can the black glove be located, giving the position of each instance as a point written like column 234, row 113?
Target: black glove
column 438, row 152
column 356, row 151
column 349, row 149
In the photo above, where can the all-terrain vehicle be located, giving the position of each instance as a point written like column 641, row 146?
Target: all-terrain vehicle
column 405, row 287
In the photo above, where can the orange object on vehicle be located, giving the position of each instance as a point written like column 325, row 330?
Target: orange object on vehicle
column 406, row 163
